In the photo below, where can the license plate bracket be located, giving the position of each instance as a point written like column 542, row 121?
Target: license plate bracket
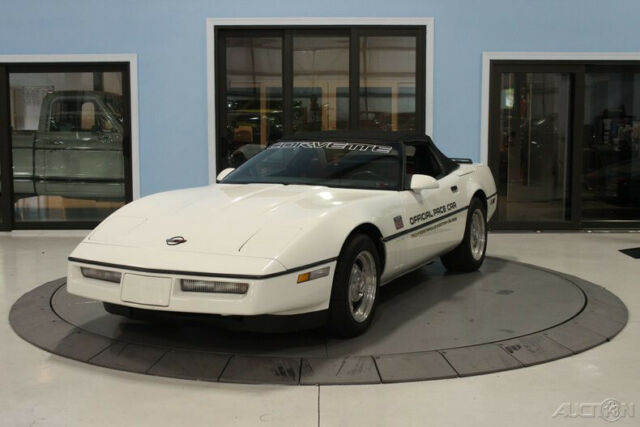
column 146, row 290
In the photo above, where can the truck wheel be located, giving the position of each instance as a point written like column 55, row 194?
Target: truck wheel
column 469, row 254
column 355, row 287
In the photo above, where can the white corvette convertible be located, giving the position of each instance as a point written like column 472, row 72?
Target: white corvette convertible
column 313, row 225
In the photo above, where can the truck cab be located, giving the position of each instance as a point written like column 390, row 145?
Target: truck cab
column 77, row 150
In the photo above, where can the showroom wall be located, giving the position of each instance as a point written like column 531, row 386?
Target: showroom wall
column 169, row 38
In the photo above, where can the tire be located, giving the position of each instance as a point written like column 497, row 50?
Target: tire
column 355, row 287
column 469, row 254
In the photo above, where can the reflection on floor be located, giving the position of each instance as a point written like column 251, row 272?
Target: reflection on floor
column 38, row 388
column 593, row 209
column 531, row 211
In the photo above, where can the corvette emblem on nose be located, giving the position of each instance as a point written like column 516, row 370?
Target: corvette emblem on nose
column 175, row 240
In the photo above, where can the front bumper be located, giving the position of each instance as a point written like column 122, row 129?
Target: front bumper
column 279, row 295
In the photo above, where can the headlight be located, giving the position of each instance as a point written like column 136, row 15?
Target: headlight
column 189, row 285
column 106, row 275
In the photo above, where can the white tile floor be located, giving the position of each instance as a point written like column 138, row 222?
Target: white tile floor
column 37, row 388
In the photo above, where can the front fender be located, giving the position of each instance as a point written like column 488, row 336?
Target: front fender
column 324, row 239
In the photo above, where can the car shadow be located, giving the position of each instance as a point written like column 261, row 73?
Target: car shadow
column 406, row 308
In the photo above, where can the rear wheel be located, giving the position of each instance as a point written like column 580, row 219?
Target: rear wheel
column 355, row 287
column 469, row 254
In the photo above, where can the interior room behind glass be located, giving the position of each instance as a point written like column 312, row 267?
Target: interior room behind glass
column 67, row 145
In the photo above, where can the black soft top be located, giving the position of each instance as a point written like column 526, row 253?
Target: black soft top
column 364, row 136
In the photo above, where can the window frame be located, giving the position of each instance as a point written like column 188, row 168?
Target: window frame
column 289, row 87
column 422, row 28
column 430, row 152
column 578, row 65
column 124, row 63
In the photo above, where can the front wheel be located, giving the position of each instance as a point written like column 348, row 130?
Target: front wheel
column 469, row 254
column 355, row 287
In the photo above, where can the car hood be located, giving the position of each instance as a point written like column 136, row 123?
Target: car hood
column 252, row 219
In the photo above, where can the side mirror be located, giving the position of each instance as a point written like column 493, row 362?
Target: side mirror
column 423, row 182
column 222, row 175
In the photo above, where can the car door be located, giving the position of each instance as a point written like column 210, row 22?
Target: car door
column 80, row 154
column 433, row 215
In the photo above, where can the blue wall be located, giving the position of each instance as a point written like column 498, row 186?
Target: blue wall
column 170, row 40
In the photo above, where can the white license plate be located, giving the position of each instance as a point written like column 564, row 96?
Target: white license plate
column 146, row 290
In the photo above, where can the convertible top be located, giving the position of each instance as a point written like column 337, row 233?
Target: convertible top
column 448, row 164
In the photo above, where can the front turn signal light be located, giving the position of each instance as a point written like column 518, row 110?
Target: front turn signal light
column 311, row 275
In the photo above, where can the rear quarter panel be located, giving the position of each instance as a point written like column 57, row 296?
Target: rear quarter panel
column 478, row 177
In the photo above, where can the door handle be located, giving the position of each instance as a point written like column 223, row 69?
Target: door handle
column 454, row 189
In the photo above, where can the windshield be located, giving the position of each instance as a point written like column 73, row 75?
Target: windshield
column 332, row 164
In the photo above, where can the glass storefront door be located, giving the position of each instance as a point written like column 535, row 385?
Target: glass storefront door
column 388, row 83
column 68, row 130
column 564, row 144
column 611, row 145
column 252, row 107
column 5, row 154
column 533, row 141
column 320, row 70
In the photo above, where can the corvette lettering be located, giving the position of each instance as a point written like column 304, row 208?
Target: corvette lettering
column 426, row 215
column 335, row 146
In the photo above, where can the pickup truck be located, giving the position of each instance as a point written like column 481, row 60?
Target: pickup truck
column 77, row 150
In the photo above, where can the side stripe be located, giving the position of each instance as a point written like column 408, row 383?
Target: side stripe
column 423, row 225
